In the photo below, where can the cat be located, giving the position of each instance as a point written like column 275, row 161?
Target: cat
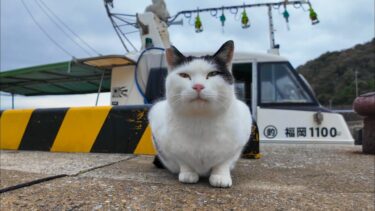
column 201, row 127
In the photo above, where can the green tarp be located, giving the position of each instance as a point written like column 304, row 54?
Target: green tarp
column 76, row 77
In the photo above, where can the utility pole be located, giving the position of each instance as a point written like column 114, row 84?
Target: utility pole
column 274, row 49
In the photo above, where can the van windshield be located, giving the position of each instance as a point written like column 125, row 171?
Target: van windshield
column 279, row 84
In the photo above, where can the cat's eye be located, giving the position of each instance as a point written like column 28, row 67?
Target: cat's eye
column 185, row 75
column 213, row 73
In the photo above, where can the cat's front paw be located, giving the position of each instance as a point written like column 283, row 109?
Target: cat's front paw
column 188, row 177
column 220, row 181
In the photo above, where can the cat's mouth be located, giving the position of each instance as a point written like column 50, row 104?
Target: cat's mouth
column 199, row 99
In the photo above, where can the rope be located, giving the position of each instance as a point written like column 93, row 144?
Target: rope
column 44, row 31
column 68, row 28
column 61, row 29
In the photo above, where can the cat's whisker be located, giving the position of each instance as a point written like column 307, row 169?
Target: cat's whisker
column 174, row 101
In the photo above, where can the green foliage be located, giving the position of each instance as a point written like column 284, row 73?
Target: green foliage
column 332, row 75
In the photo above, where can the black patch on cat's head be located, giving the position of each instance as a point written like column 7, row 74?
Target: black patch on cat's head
column 221, row 59
column 225, row 52
column 222, row 67
column 174, row 57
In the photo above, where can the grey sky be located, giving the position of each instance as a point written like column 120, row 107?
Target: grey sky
column 343, row 23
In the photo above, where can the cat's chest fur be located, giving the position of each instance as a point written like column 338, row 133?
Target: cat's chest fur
column 201, row 142
column 200, row 135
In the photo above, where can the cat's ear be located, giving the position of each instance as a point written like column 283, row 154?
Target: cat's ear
column 174, row 57
column 225, row 53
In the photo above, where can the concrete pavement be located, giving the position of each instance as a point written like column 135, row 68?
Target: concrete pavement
column 286, row 177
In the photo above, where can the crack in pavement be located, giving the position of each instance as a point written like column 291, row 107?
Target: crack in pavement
column 50, row 178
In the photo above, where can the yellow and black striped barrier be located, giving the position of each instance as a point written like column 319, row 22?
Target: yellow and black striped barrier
column 118, row 129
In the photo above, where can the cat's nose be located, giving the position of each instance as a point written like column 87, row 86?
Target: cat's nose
column 198, row 87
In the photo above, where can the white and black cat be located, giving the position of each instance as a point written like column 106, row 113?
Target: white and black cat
column 201, row 127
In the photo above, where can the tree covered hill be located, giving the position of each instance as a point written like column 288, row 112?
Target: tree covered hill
column 332, row 75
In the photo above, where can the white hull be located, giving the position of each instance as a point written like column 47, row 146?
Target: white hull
column 293, row 126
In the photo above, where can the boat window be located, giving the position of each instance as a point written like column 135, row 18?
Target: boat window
column 242, row 77
column 280, row 85
column 240, row 90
